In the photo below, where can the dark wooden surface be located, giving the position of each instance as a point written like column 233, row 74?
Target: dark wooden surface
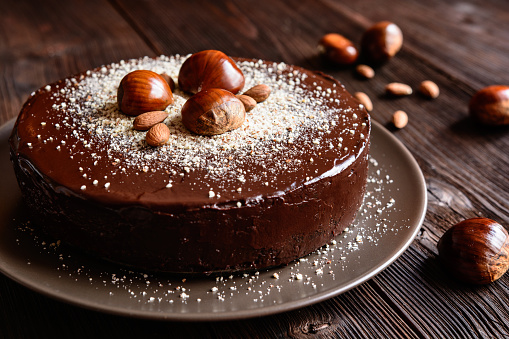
column 461, row 45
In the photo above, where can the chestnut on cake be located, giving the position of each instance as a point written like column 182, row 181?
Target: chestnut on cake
column 107, row 172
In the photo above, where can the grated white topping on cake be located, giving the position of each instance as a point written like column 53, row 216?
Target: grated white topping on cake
column 292, row 113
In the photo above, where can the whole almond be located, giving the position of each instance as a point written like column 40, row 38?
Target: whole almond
column 398, row 89
column 146, row 120
column 259, row 92
column 158, row 135
column 364, row 100
column 400, row 119
column 365, row 71
column 249, row 103
column 429, row 89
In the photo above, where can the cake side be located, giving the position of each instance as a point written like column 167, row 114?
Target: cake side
column 245, row 199
column 270, row 233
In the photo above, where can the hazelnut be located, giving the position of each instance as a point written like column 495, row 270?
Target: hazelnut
column 210, row 69
column 143, row 91
column 475, row 250
column 213, row 111
column 169, row 80
column 337, row 49
column 381, row 42
column 490, row 105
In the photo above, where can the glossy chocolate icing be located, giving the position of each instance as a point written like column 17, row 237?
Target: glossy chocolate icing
column 160, row 215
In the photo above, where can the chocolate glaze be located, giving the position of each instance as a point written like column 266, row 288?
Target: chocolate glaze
column 137, row 220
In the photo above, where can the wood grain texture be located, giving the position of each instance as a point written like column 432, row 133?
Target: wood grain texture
column 444, row 307
column 41, row 43
column 460, row 45
column 360, row 313
column 467, row 40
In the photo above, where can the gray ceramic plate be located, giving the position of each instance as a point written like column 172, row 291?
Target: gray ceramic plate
column 391, row 216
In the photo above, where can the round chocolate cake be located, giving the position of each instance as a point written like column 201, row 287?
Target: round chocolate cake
column 285, row 183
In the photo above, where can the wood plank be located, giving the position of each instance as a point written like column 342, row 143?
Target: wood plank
column 359, row 313
column 444, row 307
column 43, row 42
column 466, row 40
column 356, row 314
column 275, row 31
column 466, row 174
column 464, row 167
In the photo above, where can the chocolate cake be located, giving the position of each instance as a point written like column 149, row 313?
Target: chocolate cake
column 285, row 183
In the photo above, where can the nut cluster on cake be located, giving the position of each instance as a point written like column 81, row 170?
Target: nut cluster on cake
column 211, row 76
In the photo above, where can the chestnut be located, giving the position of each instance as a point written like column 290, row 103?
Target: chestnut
column 475, row 251
column 143, row 91
column 169, row 80
column 490, row 105
column 337, row 49
column 213, row 111
column 210, row 69
column 381, row 42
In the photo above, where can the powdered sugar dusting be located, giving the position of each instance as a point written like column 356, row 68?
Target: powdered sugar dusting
column 293, row 113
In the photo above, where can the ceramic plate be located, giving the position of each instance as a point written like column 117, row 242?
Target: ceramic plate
column 392, row 213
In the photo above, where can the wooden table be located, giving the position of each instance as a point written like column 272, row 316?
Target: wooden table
column 461, row 45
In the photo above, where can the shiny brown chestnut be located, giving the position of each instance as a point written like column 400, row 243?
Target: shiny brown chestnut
column 143, row 91
column 338, row 49
column 490, row 105
column 213, row 111
column 381, row 42
column 475, row 251
column 210, row 69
